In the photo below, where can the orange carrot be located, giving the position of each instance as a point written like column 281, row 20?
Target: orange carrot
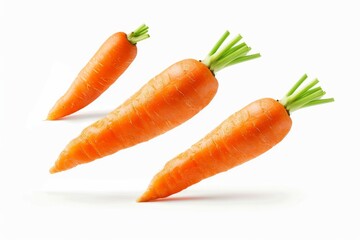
column 104, row 68
column 166, row 101
column 243, row 136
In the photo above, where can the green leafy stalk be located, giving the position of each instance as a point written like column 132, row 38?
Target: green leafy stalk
column 232, row 53
column 307, row 96
column 141, row 33
column 296, row 85
column 219, row 42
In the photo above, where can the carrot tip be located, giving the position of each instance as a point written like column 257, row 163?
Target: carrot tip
column 143, row 199
column 51, row 116
column 53, row 170
column 148, row 196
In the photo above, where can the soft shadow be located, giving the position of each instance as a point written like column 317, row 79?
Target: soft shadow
column 268, row 196
column 106, row 198
column 86, row 116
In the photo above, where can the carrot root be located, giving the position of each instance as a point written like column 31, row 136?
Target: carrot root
column 110, row 61
column 166, row 101
column 243, row 136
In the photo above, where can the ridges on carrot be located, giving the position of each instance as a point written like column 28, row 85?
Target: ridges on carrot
column 243, row 136
column 166, row 101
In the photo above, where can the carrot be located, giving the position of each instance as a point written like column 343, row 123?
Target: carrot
column 166, row 101
column 104, row 68
column 243, row 136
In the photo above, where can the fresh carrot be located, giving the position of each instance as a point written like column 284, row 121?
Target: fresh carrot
column 243, row 136
column 104, row 68
column 166, row 101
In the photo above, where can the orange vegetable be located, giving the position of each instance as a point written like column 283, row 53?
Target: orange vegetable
column 166, row 101
column 243, row 136
column 104, row 68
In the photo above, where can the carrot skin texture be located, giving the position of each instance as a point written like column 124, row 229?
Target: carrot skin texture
column 104, row 68
column 243, row 136
column 166, row 101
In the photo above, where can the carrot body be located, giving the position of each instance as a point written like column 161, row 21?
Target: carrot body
column 109, row 62
column 166, row 101
column 243, row 136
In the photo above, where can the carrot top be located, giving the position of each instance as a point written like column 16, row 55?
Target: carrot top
column 307, row 96
column 228, row 55
column 139, row 34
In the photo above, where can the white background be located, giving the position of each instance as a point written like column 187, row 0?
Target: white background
column 304, row 188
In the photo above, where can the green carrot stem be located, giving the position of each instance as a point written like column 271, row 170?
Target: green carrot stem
column 302, row 101
column 219, row 43
column 298, row 94
column 229, row 58
column 296, row 85
column 319, row 101
column 310, row 92
column 244, row 58
column 232, row 53
column 234, row 49
column 307, row 96
column 222, row 52
column 139, row 34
